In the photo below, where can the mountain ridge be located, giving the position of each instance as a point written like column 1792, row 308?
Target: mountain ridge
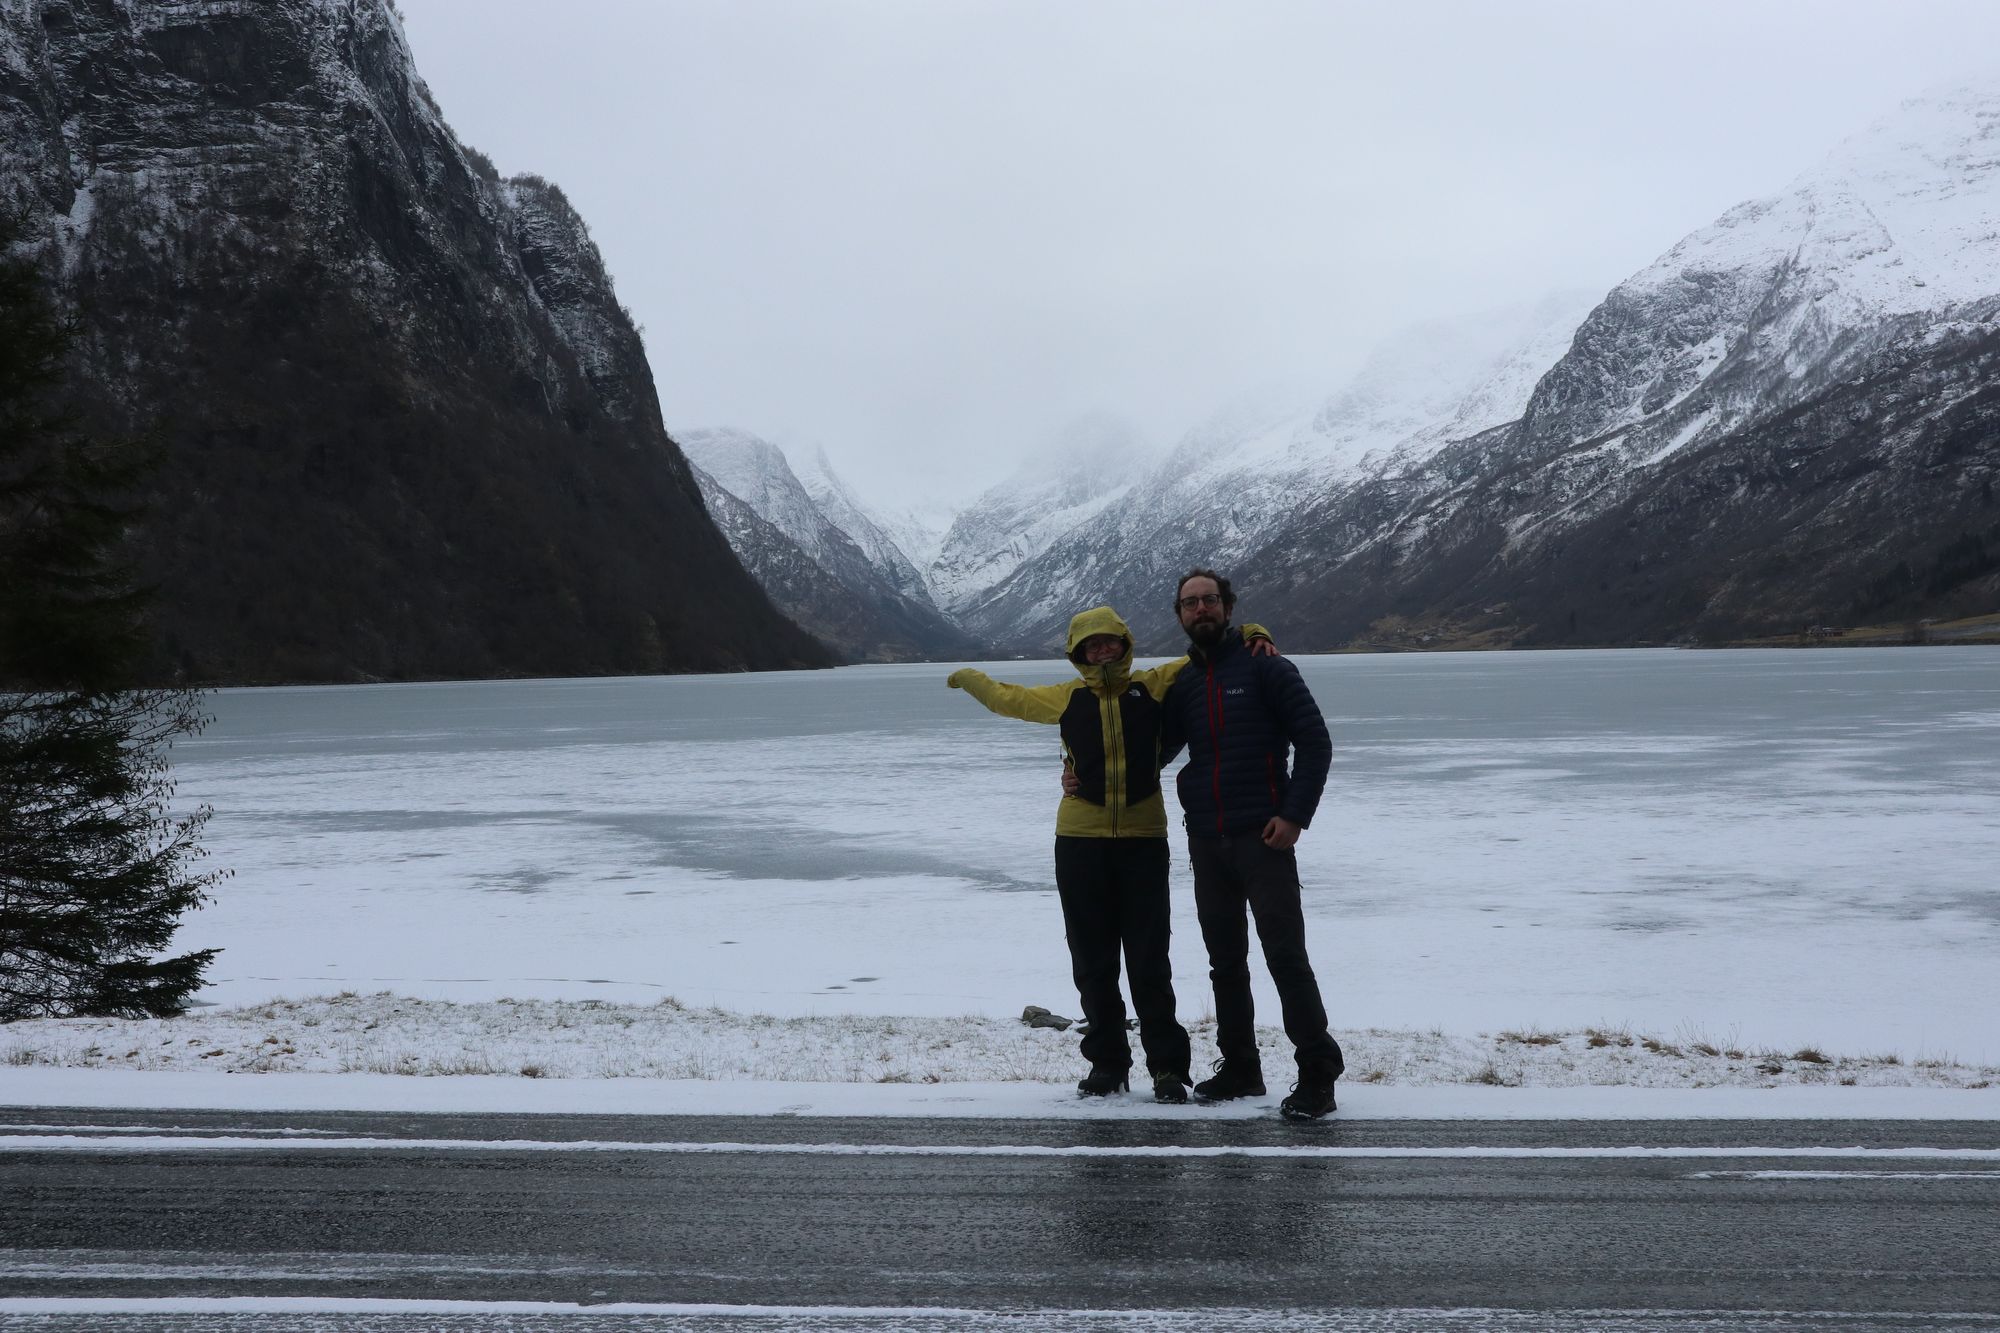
column 1229, row 482
column 815, row 552
column 1526, row 511
column 408, row 431
column 1656, row 488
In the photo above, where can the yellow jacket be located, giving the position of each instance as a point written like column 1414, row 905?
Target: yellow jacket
column 1110, row 723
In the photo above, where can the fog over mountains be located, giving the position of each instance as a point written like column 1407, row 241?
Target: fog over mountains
column 811, row 512
column 1788, row 418
column 1230, row 485
column 1791, row 418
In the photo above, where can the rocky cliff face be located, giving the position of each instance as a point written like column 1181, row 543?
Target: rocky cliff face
column 796, row 583
column 408, row 430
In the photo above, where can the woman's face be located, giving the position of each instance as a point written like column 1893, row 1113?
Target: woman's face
column 1099, row 649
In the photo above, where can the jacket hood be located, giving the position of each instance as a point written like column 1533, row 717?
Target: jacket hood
column 1100, row 620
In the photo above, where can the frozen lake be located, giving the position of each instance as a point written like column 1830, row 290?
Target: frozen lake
column 1764, row 848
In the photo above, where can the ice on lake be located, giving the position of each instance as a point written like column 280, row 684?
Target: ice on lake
column 1762, row 847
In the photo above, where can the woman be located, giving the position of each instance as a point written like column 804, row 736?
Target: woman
column 1111, row 844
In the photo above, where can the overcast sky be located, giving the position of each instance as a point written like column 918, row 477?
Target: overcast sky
column 927, row 233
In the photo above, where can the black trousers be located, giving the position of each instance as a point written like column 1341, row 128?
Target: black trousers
column 1114, row 895
column 1230, row 874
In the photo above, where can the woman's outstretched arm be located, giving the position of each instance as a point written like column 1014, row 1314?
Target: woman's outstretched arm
column 1030, row 703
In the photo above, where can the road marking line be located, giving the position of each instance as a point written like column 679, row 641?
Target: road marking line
column 337, row 1305
column 165, row 1129
column 166, row 1143
column 1844, row 1175
column 1011, row 1317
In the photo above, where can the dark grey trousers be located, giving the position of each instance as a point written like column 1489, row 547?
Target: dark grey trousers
column 1114, row 895
column 1238, row 872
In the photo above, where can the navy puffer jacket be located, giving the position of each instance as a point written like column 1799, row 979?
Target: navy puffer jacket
column 1239, row 714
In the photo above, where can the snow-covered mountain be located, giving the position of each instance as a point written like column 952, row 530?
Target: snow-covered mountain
column 1088, row 467
column 1790, row 417
column 1891, row 235
column 757, row 472
column 1234, row 481
column 919, row 529
column 866, row 599
column 832, row 496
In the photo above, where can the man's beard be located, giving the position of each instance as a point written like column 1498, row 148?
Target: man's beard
column 1207, row 633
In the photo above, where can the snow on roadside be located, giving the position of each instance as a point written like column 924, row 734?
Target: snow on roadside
column 587, row 1039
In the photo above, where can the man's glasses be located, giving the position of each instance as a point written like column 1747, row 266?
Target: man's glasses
column 1200, row 599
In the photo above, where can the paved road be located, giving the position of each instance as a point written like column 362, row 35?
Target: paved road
column 879, row 1224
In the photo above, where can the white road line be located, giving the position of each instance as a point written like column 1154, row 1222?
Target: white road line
column 288, row 1267
column 166, row 1129
column 1385, row 1317
column 363, row 1305
column 171, row 1143
column 1846, row 1175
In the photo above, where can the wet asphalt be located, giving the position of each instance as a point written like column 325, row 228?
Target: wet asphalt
column 1913, row 1241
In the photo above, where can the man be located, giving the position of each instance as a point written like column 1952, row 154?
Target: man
column 1238, row 715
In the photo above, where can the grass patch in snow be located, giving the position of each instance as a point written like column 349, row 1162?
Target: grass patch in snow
column 392, row 1034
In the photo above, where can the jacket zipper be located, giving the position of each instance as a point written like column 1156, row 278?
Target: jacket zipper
column 1215, row 740
column 1114, row 765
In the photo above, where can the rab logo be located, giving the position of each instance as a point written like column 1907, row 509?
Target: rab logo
column 1237, row 690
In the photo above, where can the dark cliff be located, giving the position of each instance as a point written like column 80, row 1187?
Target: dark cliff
column 407, row 429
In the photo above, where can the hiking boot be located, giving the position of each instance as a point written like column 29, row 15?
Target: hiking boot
column 1170, row 1088
column 1103, row 1080
column 1310, row 1099
column 1233, row 1078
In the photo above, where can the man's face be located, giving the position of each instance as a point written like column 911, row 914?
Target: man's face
column 1202, row 613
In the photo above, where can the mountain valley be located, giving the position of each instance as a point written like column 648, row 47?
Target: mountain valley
column 408, row 431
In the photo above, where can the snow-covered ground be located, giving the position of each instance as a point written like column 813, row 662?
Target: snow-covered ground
column 393, row 1034
column 1661, row 870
